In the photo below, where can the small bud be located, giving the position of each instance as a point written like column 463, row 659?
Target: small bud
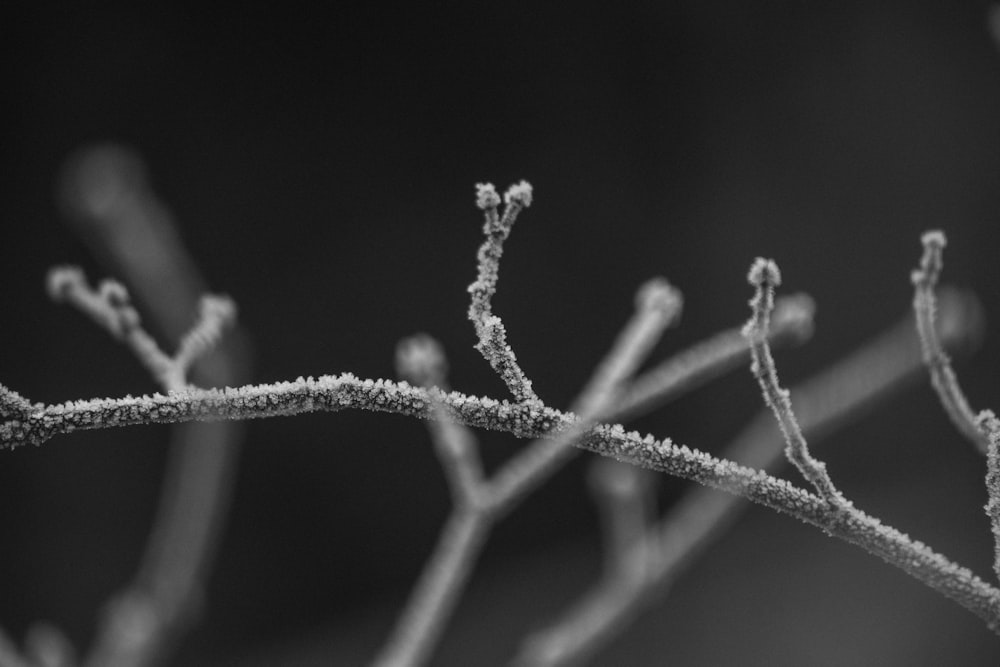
column 217, row 307
column 764, row 272
column 987, row 423
column 420, row 359
column 114, row 293
column 796, row 314
column 520, row 193
column 61, row 280
column 486, row 196
column 934, row 238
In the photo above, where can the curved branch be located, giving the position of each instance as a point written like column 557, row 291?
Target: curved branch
column 333, row 393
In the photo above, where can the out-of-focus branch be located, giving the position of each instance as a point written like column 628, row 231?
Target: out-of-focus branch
column 106, row 195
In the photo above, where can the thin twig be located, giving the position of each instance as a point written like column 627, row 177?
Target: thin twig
column 625, row 498
column 983, row 430
column 489, row 328
column 764, row 276
column 943, row 377
column 421, row 359
column 437, row 590
column 990, row 427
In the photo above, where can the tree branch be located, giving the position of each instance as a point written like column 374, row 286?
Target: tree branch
column 334, row 393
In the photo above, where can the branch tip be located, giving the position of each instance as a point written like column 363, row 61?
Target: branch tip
column 519, row 194
column 658, row 295
column 795, row 314
column 61, row 280
column 764, row 272
column 934, row 242
column 943, row 377
column 218, row 307
column 114, row 293
column 764, row 276
column 486, row 196
column 490, row 330
column 934, row 238
column 420, row 359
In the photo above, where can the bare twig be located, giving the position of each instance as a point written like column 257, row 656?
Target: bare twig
column 625, row 497
column 764, row 276
column 13, row 405
column 489, row 328
column 943, row 377
column 990, row 426
column 420, row 359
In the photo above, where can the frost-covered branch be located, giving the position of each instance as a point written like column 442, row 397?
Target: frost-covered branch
column 989, row 425
column 764, row 276
column 111, row 308
column 943, row 377
column 489, row 328
column 334, row 393
column 13, row 405
column 983, row 430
